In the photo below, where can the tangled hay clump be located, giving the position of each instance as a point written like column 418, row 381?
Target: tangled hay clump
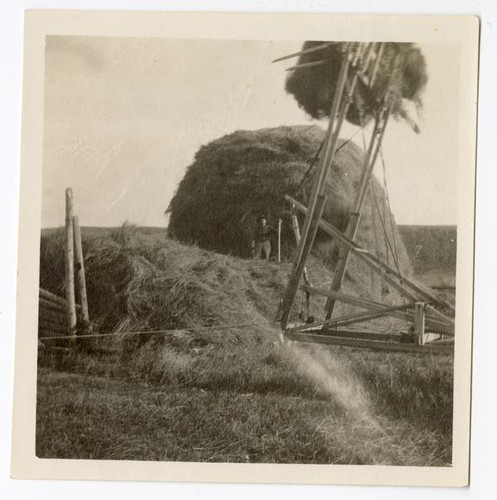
column 401, row 74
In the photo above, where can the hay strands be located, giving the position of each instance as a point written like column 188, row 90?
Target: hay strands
column 418, row 300
column 306, row 51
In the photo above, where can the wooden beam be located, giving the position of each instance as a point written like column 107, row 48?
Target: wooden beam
column 341, row 297
column 432, row 348
column 54, row 315
column 362, row 334
column 70, row 293
column 296, row 233
column 299, row 264
column 52, row 297
column 80, row 271
column 48, row 304
column 352, row 318
column 53, row 326
column 419, row 322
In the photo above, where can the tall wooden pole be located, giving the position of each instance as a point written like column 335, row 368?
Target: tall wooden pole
column 315, row 199
column 279, row 240
column 355, row 216
column 80, row 271
column 70, row 296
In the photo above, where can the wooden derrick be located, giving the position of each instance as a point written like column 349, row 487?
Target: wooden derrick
column 422, row 309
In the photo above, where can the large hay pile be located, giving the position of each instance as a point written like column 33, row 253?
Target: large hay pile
column 401, row 75
column 237, row 177
column 137, row 284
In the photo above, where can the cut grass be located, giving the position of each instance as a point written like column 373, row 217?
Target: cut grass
column 307, row 406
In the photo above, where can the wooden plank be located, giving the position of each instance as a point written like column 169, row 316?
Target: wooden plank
column 341, row 297
column 352, row 318
column 431, row 348
column 47, row 325
column 59, row 316
column 48, row 304
column 296, row 233
column 299, row 265
column 80, row 270
column 55, row 305
column 70, row 292
column 362, row 334
column 419, row 322
column 52, row 297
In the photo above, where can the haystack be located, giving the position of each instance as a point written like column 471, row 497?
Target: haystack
column 236, row 178
column 401, row 75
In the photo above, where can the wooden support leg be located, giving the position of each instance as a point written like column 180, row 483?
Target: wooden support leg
column 80, row 272
column 299, row 264
column 70, row 294
column 419, row 322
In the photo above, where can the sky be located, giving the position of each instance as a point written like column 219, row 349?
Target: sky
column 124, row 118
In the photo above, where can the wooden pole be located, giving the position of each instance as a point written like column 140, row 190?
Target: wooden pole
column 279, row 240
column 355, row 216
column 299, row 264
column 316, row 198
column 432, row 347
column 70, row 295
column 80, row 271
column 419, row 322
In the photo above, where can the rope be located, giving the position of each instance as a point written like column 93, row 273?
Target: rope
column 145, row 332
column 387, row 196
column 387, row 239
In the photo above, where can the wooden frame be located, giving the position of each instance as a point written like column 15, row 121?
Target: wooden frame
column 420, row 302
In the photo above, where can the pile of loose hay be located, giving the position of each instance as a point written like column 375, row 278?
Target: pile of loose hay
column 239, row 176
column 402, row 70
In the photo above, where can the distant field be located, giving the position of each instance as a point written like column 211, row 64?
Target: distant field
column 430, row 247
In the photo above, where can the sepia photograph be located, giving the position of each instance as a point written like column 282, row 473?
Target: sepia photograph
column 254, row 250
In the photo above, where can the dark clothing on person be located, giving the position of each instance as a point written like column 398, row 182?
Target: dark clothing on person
column 261, row 245
column 262, row 233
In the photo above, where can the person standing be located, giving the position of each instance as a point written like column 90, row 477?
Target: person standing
column 261, row 244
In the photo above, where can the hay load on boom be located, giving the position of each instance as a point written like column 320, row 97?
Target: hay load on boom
column 362, row 83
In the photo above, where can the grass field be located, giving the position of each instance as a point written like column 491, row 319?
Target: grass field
column 228, row 395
